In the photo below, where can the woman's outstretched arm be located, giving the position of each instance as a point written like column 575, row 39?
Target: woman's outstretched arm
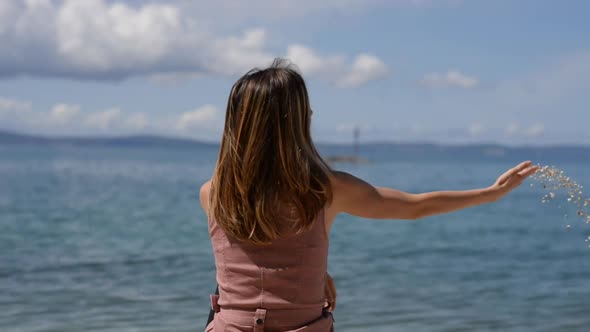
column 357, row 197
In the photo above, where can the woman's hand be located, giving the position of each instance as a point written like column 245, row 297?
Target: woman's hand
column 512, row 179
column 330, row 293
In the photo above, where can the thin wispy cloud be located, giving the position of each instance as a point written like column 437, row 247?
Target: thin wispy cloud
column 476, row 129
column 14, row 105
column 137, row 121
column 202, row 116
column 515, row 130
column 451, row 78
column 104, row 119
column 535, row 130
column 62, row 114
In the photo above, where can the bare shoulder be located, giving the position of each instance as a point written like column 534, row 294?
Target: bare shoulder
column 204, row 195
column 356, row 196
column 341, row 180
column 344, row 186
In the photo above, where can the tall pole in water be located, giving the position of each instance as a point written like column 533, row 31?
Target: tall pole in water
column 357, row 133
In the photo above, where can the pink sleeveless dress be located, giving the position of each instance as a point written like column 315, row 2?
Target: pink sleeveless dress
column 276, row 287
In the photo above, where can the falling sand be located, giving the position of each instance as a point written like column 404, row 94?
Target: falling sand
column 555, row 181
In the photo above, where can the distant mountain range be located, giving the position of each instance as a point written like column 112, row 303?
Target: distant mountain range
column 372, row 150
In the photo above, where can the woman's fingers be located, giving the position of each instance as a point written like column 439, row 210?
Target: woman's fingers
column 330, row 292
column 528, row 171
column 333, row 293
column 504, row 177
column 513, row 171
column 520, row 167
column 520, row 176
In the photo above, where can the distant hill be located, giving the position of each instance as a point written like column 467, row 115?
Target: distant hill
column 483, row 152
column 370, row 151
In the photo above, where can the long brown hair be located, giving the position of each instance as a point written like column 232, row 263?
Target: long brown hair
column 267, row 157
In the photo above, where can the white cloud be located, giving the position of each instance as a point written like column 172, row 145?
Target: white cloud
column 450, row 78
column 137, row 121
column 99, row 40
column 253, row 39
column 309, row 62
column 535, row 130
column 235, row 55
column 103, row 120
column 13, row 105
column 512, row 129
column 345, row 127
column 62, row 114
column 476, row 129
column 13, row 111
column 96, row 36
column 198, row 118
column 68, row 118
column 365, row 68
column 515, row 130
column 418, row 129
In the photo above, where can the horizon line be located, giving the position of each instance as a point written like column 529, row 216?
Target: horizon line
column 339, row 143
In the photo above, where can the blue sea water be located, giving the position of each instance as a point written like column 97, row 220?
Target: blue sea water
column 113, row 239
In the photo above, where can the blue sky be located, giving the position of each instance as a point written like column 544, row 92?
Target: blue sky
column 447, row 71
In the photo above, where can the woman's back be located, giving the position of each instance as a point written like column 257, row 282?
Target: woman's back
column 287, row 273
column 285, row 279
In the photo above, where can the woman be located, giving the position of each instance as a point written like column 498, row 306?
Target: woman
column 272, row 200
